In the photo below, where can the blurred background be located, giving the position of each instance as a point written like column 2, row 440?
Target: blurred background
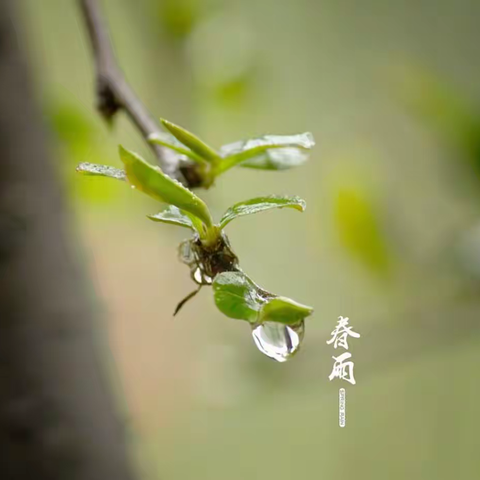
column 390, row 237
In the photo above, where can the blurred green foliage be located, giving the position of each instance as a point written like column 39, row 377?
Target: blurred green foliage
column 445, row 108
column 358, row 222
column 223, row 59
column 178, row 18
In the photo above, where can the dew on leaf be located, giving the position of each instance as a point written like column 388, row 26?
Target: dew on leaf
column 278, row 341
column 87, row 168
column 270, row 152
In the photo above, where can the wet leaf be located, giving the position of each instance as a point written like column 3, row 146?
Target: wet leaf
column 236, row 296
column 174, row 216
column 284, row 310
column 191, row 141
column 169, row 141
column 94, row 169
column 260, row 204
column 153, row 182
column 270, row 152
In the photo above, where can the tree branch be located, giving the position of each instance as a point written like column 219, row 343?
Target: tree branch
column 114, row 94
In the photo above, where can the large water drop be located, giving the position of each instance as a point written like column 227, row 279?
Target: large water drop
column 278, row 341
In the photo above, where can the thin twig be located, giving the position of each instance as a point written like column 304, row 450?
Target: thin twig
column 186, row 299
column 114, row 93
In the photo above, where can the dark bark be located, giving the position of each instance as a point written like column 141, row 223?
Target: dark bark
column 57, row 413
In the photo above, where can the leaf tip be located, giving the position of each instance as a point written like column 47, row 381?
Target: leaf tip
column 302, row 204
column 284, row 310
column 309, row 140
column 84, row 168
column 167, row 124
column 122, row 150
column 127, row 156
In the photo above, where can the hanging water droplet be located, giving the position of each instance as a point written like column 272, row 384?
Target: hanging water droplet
column 185, row 252
column 278, row 341
column 198, row 276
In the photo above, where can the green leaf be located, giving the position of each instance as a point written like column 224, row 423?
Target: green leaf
column 172, row 143
column 152, row 181
column 191, row 141
column 94, row 169
column 236, row 296
column 270, row 152
column 284, row 310
column 261, row 204
column 174, row 216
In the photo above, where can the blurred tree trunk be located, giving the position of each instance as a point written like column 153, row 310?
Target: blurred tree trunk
column 57, row 415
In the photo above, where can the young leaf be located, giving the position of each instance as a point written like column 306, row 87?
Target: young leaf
column 261, row 204
column 156, row 184
column 270, row 152
column 174, row 216
column 93, row 169
column 191, row 141
column 236, row 296
column 168, row 141
column 284, row 310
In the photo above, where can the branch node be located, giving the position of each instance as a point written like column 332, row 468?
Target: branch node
column 192, row 174
column 107, row 102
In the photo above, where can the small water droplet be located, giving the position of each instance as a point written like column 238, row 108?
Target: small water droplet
column 197, row 275
column 278, row 341
column 185, row 252
column 133, row 187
